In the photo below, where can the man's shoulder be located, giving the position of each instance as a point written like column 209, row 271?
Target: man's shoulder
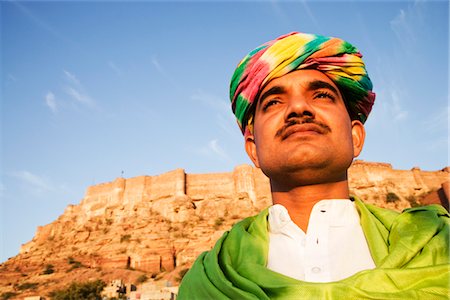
column 250, row 225
column 435, row 209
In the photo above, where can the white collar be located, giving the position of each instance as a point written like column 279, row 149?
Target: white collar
column 340, row 212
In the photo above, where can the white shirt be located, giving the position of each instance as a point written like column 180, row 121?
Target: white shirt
column 333, row 248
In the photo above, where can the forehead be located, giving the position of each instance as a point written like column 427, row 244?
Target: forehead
column 299, row 77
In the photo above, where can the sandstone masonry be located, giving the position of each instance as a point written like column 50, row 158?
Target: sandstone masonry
column 159, row 224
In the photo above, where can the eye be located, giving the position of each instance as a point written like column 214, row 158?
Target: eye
column 270, row 102
column 324, row 95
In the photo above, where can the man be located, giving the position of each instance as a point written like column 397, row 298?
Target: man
column 301, row 101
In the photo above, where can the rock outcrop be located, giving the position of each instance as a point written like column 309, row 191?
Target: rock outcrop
column 158, row 225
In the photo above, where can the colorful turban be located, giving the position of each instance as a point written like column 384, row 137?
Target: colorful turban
column 337, row 59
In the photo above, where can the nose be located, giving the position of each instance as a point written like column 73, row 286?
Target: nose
column 299, row 107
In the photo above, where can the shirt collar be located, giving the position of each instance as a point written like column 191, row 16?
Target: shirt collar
column 340, row 212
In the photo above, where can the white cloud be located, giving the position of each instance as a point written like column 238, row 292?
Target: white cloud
column 310, row 14
column 278, row 11
column 398, row 113
column 439, row 121
column 76, row 90
column 212, row 101
column 50, row 101
column 72, row 78
column 213, row 149
column 389, row 108
column 224, row 115
column 39, row 21
column 284, row 18
column 10, row 79
column 79, row 96
column 407, row 24
column 2, row 189
column 213, row 145
column 34, row 182
column 438, row 144
column 229, row 124
column 114, row 67
column 158, row 66
column 162, row 71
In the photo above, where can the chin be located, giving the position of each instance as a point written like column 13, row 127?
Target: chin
column 306, row 170
column 309, row 176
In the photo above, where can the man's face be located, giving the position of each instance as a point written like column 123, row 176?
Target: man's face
column 302, row 132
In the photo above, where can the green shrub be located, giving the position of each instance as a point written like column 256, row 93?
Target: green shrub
column 75, row 264
column 391, row 197
column 413, row 201
column 90, row 290
column 141, row 279
column 49, row 269
column 182, row 273
column 125, row 238
column 7, row 295
column 218, row 222
column 27, row 286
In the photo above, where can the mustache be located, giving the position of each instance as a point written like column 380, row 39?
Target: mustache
column 297, row 121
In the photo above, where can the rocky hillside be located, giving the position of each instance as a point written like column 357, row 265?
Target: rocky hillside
column 157, row 225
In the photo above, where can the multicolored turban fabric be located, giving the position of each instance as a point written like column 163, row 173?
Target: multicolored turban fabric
column 337, row 59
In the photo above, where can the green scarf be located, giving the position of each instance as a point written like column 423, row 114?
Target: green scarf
column 410, row 251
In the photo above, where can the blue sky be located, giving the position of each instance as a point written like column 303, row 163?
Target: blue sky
column 91, row 90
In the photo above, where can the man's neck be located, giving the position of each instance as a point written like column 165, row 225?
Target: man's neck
column 300, row 200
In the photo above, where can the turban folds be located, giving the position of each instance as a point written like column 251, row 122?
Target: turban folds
column 337, row 59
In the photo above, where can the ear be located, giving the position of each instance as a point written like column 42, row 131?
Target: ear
column 358, row 137
column 250, row 148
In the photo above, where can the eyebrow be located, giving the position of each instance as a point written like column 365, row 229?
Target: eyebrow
column 319, row 84
column 313, row 85
column 275, row 90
